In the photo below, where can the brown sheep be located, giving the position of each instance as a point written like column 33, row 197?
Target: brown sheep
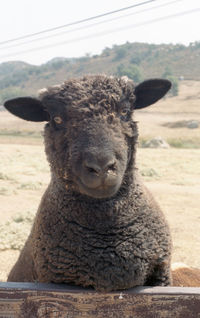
column 97, row 225
column 185, row 276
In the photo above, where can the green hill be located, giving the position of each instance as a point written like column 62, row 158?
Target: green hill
column 136, row 60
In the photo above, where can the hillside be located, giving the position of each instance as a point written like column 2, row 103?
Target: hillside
column 138, row 60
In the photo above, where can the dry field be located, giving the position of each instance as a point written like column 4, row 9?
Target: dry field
column 173, row 175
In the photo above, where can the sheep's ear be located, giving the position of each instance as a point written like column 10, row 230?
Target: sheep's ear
column 150, row 91
column 27, row 108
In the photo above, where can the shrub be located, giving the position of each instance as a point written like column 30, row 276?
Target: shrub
column 132, row 71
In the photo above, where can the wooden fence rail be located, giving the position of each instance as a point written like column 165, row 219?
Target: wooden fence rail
column 27, row 300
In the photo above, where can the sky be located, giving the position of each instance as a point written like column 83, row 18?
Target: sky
column 150, row 21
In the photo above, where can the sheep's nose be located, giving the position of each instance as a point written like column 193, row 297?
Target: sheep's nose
column 101, row 172
column 100, row 168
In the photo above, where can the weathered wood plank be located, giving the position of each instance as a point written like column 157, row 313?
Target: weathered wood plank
column 28, row 300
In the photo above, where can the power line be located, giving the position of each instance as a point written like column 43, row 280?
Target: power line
column 90, row 25
column 76, row 22
column 105, row 32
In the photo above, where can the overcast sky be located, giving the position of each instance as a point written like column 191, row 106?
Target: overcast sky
column 158, row 21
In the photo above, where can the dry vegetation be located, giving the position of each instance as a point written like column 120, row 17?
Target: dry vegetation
column 173, row 175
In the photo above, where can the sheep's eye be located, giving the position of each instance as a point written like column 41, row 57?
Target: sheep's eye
column 124, row 113
column 58, row 120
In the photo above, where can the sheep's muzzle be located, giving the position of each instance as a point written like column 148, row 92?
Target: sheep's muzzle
column 99, row 175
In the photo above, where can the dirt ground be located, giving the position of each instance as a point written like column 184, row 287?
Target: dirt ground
column 173, row 176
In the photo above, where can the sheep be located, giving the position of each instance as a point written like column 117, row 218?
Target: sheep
column 97, row 224
column 185, row 276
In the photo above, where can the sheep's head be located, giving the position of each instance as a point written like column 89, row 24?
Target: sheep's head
column 90, row 137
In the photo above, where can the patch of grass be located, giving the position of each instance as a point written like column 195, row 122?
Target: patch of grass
column 26, row 217
column 176, row 143
column 19, row 133
column 30, row 186
column 149, row 173
column 3, row 191
column 178, row 183
column 14, row 233
column 184, row 143
column 4, row 176
column 18, row 219
column 142, row 142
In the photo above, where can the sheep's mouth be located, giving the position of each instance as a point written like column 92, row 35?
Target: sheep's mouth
column 101, row 192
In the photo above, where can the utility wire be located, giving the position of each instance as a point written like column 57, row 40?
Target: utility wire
column 77, row 22
column 90, row 25
column 105, row 32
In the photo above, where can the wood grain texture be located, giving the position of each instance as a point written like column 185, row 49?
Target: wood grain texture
column 27, row 300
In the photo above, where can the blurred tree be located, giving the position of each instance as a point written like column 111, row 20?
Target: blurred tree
column 120, row 52
column 132, row 71
column 10, row 92
column 175, row 84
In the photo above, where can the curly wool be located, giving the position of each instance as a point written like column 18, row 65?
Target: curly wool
column 112, row 243
column 92, row 90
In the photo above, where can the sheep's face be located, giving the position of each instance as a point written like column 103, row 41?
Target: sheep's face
column 90, row 137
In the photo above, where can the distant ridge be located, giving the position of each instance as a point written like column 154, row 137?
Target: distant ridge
column 149, row 60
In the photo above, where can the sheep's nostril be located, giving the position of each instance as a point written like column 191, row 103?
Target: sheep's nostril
column 111, row 167
column 92, row 168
